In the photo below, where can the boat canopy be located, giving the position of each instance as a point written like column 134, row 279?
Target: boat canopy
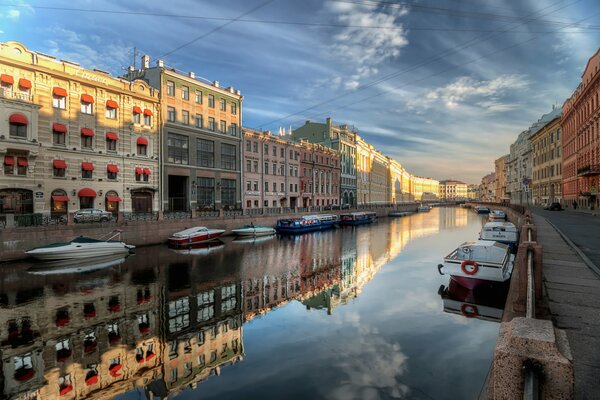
column 483, row 251
column 500, row 226
column 191, row 231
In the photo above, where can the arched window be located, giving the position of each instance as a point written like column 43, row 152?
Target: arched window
column 18, row 125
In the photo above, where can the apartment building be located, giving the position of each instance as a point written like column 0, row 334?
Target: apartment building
column 201, row 139
column 73, row 138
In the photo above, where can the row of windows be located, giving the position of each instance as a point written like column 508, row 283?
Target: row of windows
column 199, row 98
column 199, row 122
column 178, row 152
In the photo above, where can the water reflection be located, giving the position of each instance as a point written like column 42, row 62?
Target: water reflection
column 164, row 321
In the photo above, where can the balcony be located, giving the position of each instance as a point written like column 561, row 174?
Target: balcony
column 589, row 170
column 15, row 95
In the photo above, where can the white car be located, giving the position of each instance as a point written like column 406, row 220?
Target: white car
column 92, row 215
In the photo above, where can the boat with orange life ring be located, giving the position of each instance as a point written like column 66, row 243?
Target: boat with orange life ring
column 477, row 263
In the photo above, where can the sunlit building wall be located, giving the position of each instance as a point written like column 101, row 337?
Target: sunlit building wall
column 500, row 170
column 75, row 138
column 546, row 181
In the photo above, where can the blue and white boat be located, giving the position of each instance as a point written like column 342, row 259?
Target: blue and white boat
column 358, row 218
column 503, row 232
column 307, row 223
column 482, row 210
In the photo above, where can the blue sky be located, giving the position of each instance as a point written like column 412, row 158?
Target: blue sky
column 443, row 86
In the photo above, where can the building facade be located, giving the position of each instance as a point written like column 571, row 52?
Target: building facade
column 372, row 174
column 271, row 171
column 341, row 138
column 581, row 139
column 320, row 172
column 500, row 170
column 74, row 138
column 546, row 182
column 488, row 188
column 452, row 190
column 201, row 139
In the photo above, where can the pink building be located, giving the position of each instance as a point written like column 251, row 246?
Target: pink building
column 319, row 175
column 271, row 171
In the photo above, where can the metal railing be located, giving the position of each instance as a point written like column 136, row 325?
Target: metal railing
column 137, row 216
column 532, row 372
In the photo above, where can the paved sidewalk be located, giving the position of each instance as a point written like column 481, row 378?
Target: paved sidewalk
column 573, row 292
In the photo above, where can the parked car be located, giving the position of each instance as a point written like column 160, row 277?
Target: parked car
column 553, row 207
column 345, row 206
column 330, row 207
column 92, row 215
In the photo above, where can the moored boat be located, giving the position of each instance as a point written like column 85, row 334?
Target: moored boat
column 197, row 234
column 254, row 230
column 501, row 231
column 82, row 247
column 358, row 218
column 496, row 215
column 306, row 223
column 478, row 263
column 482, row 210
column 424, row 208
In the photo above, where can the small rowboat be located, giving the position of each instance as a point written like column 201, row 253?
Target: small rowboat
column 254, row 231
column 197, row 234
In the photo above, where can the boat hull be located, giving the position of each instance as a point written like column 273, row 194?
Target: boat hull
column 195, row 239
column 254, row 232
column 290, row 230
column 79, row 251
column 485, row 275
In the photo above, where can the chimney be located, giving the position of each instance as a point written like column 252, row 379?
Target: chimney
column 216, row 83
column 231, row 89
column 238, row 92
column 130, row 68
column 145, row 61
column 307, row 122
column 192, row 75
column 160, row 63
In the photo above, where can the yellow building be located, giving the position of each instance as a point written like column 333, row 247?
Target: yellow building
column 547, row 163
column 372, row 183
column 74, row 138
column 453, row 190
column 500, row 170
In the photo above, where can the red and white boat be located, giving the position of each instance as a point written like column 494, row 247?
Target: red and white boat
column 478, row 263
column 197, row 234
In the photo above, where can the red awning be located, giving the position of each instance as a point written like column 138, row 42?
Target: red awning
column 24, row 83
column 22, row 162
column 87, row 132
column 112, row 168
column 18, row 119
column 87, row 166
column 111, row 104
column 86, row 98
column 58, row 91
column 137, row 110
column 60, row 198
column 56, row 127
column 7, row 79
column 9, row 160
column 142, row 141
column 112, row 136
column 139, row 170
column 115, row 199
column 92, row 380
column 60, row 164
column 148, row 112
column 87, row 192
column 146, row 171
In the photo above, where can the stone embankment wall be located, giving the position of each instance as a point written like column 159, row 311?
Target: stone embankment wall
column 14, row 241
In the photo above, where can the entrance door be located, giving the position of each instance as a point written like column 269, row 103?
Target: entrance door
column 141, row 201
column 178, row 193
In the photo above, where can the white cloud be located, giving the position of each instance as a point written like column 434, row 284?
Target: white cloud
column 465, row 88
column 365, row 48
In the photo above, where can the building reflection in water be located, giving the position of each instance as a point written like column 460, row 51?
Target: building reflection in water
column 162, row 322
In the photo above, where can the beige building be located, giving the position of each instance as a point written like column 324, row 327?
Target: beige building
column 488, row 187
column 73, row 138
column 500, row 194
column 201, row 139
column 371, row 174
column 546, row 181
column 453, row 190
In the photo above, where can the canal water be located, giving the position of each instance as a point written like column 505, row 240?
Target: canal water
column 352, row 313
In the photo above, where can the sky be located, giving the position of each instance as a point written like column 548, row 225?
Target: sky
column 442, row 86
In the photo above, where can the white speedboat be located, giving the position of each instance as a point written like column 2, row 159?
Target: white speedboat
column 197, row 234
column 478, row 263
column 500, row 231
column 82, row 247
column 254, row 231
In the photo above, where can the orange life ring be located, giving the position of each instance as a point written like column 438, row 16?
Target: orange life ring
column 464, row 309
column 463, row 267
